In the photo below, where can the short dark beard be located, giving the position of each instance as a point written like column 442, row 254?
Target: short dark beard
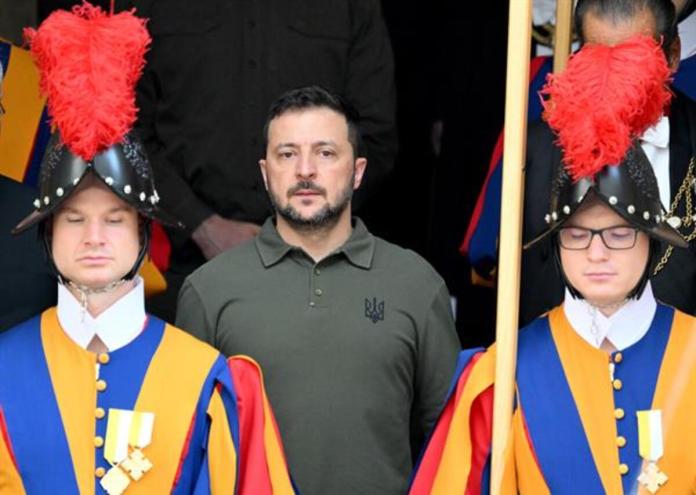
column 325, row 219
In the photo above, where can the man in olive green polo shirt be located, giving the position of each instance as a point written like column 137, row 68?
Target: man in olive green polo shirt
column 355, row 335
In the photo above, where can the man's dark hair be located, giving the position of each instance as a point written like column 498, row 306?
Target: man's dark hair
column 310, row 97
column 622, row 10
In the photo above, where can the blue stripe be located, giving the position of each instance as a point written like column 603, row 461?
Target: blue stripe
column 43, row 134
column 685, row 78
column 638, row 372
column 124, row 375
column 554, row 424
column 5, row 49
column 33, row 417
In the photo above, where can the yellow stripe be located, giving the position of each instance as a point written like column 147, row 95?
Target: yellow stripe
column 10, row 481
column 455, row 463
column 171, row 390
column 530, row 480
column 72, row 375
column 222, row 456
column 112, row 430
column 644, row 443
column 135, row 426
column 587, row 372
column 675, row 395
column 23, row 105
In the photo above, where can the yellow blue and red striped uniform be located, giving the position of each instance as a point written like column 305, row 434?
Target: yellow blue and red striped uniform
column 213, row 431
column 574, row 427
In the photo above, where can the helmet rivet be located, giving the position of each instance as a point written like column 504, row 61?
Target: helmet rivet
column 37, row 203
column 59, row 192
column 75, row 181
column 566, row 210
column 153, row 199
column 613, row 200
column 646, row 215
column 631, row 209
column 127, row 189
column 554, row 216
column 47, row 200
column 109, row 181
column 547, row 218
column 142, row 196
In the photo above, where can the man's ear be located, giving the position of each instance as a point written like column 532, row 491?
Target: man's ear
column 359, row 171
column 262, row 166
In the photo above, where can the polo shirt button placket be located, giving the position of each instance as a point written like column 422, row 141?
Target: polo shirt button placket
column 619, row 413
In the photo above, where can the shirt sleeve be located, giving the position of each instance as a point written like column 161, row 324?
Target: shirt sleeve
column 192, row 316
column 438, row 347
column 370, row 89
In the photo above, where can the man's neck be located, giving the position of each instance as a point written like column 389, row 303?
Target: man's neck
column 317, row 243
column 97, row 303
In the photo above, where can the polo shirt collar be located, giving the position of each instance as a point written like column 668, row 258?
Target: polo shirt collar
column 359, row 249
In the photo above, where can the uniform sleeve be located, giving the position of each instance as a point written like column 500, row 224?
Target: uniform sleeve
column 262, row 465
column 192, row 316
column 370, row 89
column 456, row 458
column 438, row 346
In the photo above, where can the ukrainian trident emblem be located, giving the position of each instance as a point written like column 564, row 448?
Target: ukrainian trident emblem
column 374, row 310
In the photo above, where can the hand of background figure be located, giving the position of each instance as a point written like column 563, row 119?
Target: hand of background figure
column 217, row 234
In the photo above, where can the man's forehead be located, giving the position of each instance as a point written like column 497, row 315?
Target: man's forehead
column 321, row 123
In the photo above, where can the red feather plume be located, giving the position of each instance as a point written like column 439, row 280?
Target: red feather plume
column 89, row 63
column 606, row 97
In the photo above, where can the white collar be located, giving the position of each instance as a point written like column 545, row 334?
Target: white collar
column 117, row 326
column 687, row 33
column 624, row 328
column 658, row 135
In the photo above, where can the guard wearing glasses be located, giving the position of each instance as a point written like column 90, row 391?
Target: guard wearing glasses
column 606, row 382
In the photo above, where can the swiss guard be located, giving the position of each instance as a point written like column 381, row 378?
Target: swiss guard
column 96, row 396
column 605, row 382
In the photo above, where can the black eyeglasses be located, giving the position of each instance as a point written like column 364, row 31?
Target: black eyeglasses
column 579, row 238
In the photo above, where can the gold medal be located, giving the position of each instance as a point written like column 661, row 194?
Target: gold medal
column 136, row 464
column 115, row 481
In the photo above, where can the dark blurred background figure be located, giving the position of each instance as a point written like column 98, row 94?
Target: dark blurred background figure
column 27, row 285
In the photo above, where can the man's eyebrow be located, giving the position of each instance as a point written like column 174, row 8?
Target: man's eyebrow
column 285, row 145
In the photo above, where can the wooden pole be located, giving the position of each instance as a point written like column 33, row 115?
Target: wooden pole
column 516, row 95
column 563, row 34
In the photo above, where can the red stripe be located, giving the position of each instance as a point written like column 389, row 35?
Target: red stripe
column 160, row 247
column 184, row 452
column 254, row 478
column 6, row 438
column 481, row 424
column 427, row 470
column 497, row 155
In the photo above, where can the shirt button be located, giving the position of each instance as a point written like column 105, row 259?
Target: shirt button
column 312, row 304
column 623, row 468
column 617, row 384
column 621, row 441
column 101, row 385
column 99, row 413
column 98, row 442
column 103, row 358
column 619, row 413
column 317, row 271
column 99, row 472
column 317, row 292
column 618, row 357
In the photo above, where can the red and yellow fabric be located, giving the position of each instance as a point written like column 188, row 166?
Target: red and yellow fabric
column 574, row 429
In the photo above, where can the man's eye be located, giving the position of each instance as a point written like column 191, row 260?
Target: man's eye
column 327, row 153
column 114, row 220
column 73, row 219
column 286, row 154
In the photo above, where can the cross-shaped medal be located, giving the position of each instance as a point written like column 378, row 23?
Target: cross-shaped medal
column 652, row 478
column 136, row 464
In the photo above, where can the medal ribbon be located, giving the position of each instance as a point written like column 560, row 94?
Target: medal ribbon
column 126, row 428
column 650, row 440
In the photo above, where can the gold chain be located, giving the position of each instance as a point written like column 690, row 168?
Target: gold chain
column 688, row 219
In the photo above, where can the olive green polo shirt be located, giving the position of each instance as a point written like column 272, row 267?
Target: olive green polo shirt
column 357, row 350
